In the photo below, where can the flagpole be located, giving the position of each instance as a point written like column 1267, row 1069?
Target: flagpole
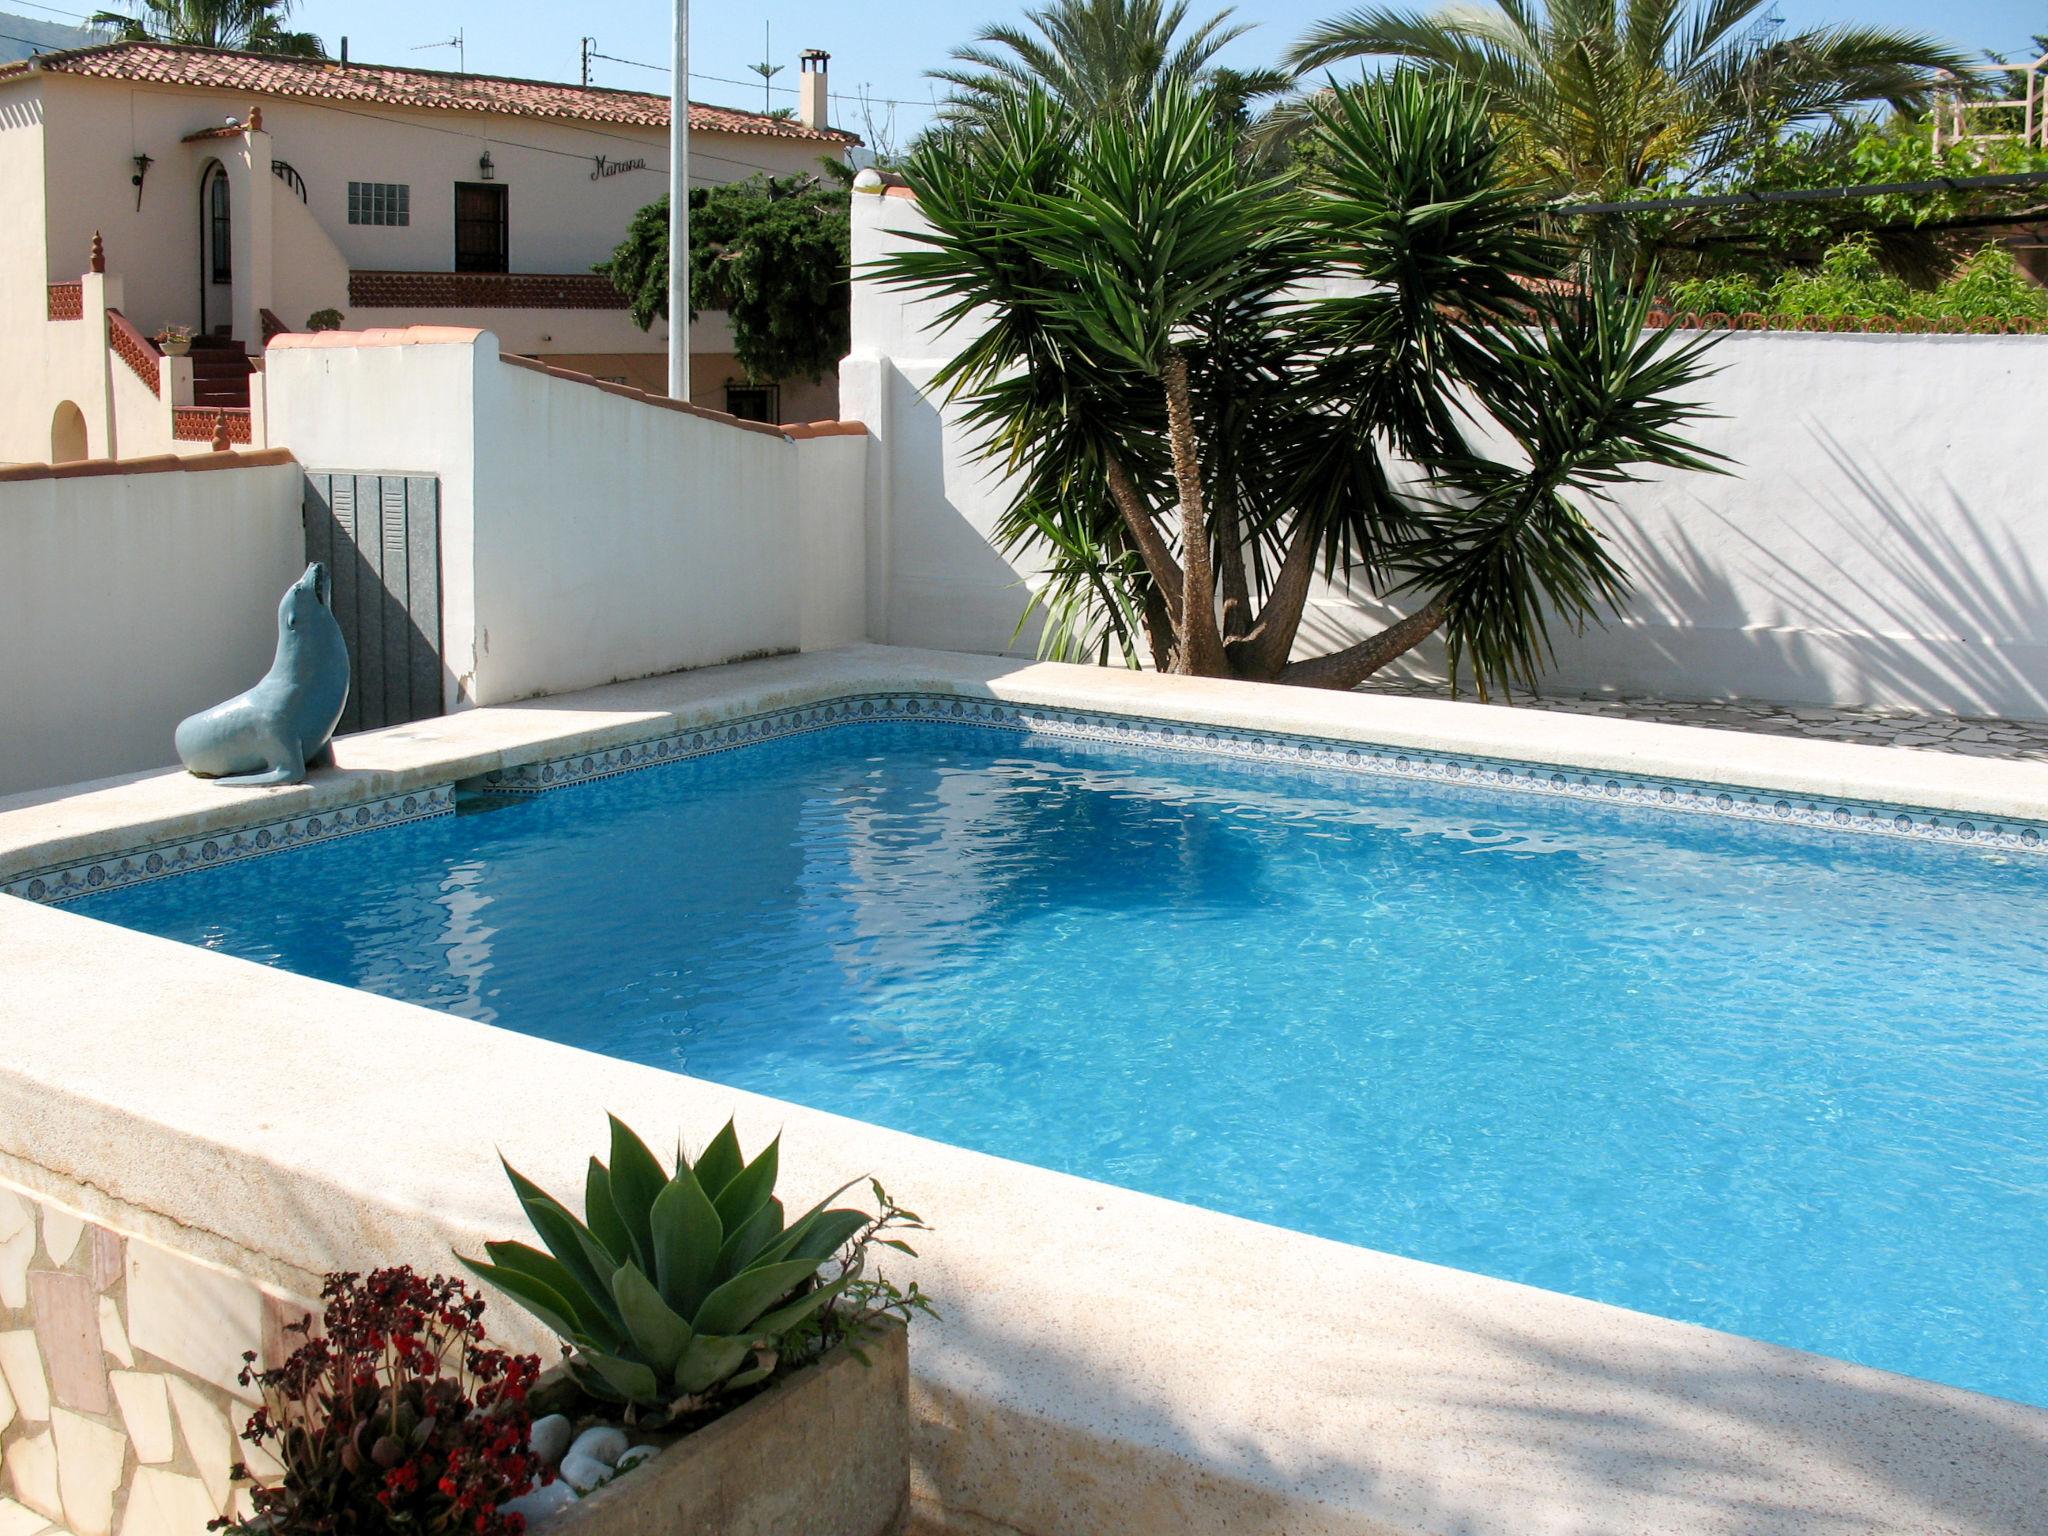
column 679, row 212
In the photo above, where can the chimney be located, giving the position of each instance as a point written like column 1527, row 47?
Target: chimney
column 813, row 97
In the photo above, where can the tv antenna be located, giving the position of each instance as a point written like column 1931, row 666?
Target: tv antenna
column 764, row 69
column 455, row 42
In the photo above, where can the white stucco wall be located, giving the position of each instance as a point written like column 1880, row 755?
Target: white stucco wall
column 1882, row 540
column 560, row 219
column 128, row 601
column 587, row 535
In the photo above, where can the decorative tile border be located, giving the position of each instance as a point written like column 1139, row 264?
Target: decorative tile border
column 1824, row 813
column 1857, row 817
column 160, row 861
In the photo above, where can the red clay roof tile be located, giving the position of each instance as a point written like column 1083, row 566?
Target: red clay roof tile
column 392, row 86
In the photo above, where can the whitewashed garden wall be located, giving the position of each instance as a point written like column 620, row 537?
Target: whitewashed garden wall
column 1882, row 539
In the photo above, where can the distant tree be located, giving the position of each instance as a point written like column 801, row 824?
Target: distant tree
column 774, row 252
column 1615, row 99
column 252, row 26
column 1097, row 58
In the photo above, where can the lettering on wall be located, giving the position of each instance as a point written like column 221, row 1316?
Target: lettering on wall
column 609, row 167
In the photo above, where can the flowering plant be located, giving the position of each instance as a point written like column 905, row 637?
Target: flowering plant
column 396, row 1417
column 173, row 333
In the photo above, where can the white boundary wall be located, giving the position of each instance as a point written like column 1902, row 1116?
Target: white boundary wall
column 128, row 601
column 588, row 534
column 1883, row 539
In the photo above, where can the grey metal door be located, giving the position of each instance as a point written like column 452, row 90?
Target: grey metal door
column 380, row 536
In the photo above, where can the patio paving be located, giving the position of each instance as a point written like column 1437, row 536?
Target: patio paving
column 1962, row 734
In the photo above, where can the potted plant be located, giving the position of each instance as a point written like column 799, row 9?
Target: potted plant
column 324, row 320
column 175, row 340
column 705, row 1338
column 397, row 1417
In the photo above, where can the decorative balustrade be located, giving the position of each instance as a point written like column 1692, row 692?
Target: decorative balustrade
column 135, row 349
column 67, row 301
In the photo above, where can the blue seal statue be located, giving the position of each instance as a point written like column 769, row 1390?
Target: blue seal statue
column 277, row 730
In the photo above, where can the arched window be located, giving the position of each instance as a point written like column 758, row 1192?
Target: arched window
column 219, row 244
column 67, row 435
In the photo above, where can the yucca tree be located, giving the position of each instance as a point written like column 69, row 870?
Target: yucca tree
column 253, row 26
column 1096, row 58
column 1191, row 441
column 1608, row 98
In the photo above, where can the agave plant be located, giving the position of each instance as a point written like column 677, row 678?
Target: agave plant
column 678, row 1286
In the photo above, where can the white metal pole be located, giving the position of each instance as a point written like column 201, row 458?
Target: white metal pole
column 679, row 213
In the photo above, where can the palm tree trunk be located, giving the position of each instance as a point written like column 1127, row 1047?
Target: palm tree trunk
column 1145, row 535
column 1271, row 641
column 1201, row 645
column 1354, row 664
column 1237, row 591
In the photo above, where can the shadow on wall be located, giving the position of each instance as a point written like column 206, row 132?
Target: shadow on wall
column 1944, row 628
column 950, row 588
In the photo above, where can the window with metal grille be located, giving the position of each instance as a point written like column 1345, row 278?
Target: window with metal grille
column 379, row 202
column 482, row 239
column 754, row 402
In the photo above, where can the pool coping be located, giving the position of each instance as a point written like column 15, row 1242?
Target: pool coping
column 1108, row 1360
column 1814, row 783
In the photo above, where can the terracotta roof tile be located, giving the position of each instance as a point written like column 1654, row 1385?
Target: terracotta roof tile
column 391, row 86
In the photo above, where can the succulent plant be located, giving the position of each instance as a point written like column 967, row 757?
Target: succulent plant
column 675, row 1286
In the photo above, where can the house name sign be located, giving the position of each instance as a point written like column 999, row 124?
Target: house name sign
column 609, row 167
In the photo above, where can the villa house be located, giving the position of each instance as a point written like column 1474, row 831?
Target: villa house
column 241, row 194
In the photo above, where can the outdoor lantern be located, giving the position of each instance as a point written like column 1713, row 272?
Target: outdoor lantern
column 485, row 169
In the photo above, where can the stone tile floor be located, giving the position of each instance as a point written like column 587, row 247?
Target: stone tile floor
column 1960, row 734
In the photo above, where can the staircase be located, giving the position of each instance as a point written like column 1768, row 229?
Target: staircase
column 220, row 373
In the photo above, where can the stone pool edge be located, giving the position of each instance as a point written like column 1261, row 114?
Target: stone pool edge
column 1109, row 1360
column 171, row 813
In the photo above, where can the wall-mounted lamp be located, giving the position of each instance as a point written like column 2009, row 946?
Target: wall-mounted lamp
column 142, row 165
column 485, row 169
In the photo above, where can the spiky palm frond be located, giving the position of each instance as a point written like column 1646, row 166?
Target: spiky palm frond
column 252, row 26
column 1607, row 97
column 1094, row 58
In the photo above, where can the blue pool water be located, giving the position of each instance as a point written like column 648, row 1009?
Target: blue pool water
column 1784, row 1082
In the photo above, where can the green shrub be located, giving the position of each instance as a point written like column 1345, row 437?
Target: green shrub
column 1851, row 284
column 678, row 1286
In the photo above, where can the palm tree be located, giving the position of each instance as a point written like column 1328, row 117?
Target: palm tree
column 1192, row 440
column 1097, row 57
column 1607, row 98
column 251, row 26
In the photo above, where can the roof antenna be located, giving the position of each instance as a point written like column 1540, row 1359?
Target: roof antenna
column 455, row 42
column 764, row 69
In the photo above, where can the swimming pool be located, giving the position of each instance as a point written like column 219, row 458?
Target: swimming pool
column 1779, row 1079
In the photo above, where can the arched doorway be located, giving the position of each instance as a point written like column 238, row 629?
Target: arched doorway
column 67, row 435
column 216, row 251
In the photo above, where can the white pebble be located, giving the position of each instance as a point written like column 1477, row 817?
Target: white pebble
column 539, row 1505
column 581, row 1472
column 550, row 1437
column 601, row 1442
column 638, row 1454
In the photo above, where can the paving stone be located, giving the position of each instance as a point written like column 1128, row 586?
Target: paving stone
column 164, row 1503
column 107, row 1259
column 17, row 1248
column 21, row 1364
column 192, row 1316
column 91, row 1461
column 113, row 1337
column 146, row 1410
column 68, row 1333
column 20, row 1520
column 61, row 1232
column 6, row 1406
column 207, row 1437
column 32, row 1474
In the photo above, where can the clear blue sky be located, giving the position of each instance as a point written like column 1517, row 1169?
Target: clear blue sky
column 886, row 47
